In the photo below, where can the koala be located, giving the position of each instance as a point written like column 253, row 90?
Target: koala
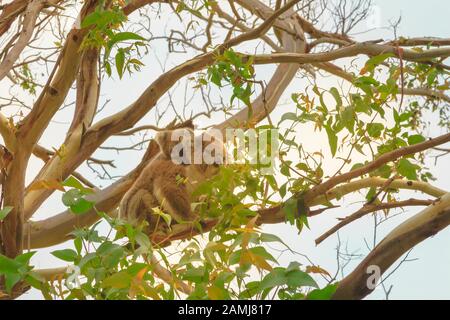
column 170, row 178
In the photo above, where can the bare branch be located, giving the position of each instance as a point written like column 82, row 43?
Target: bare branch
column 369, row 208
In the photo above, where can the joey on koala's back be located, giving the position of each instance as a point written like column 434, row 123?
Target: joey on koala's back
column 169, row 179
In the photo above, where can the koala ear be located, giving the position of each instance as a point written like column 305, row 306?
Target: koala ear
column 189, row 124
column 162, row 138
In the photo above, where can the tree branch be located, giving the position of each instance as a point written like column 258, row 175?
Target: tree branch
column 57, row 87
column 7, row 133
column 369, row 208
column 425, row 224
column 29, row 19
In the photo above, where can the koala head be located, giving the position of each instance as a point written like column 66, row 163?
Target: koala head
column 174, row 143
column 183, row 147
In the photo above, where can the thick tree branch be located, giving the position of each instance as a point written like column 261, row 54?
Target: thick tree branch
column 57, row 87
column 88, row 90
column 369, row 49
column 425, row 224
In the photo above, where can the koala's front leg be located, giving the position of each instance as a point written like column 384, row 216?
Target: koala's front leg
column 175, row 200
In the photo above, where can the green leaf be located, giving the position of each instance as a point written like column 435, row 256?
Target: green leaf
column 235, row 257
column 136, row 62
column 8, row 265
column 332, row 140
column 82, row 206
column 324, row 293
column 290, row 210
column 322, row 103
column 124, row 36
column 267, row 237
column 374, row 129
column 78, row 243
column 111, row 254
column 283, row 190
column 371, row 194
column 72, row 182
column 384, row 171
column 432, row 75
column 298, row 278
column 91, row 19
column 11, row 279
column 35, row 280
column 66, row 254
column 120, row 62
column 252, row 289
column 215, row 76
column 289, row 116
column 378, row 108
column 413, row 139
column 374, row 61
column 262, row 252
column 277, row 277
column 71, row 197
column 24, row 258
column 407, row 169
column 103, row 18
column 4, row 212
column 180, row 7
column 357, row 166
column 142, row 240
column 285, row 170
column 348, row 117
column 196, row 275
column 120, row 280
column 360, row 105
column 166, row 217
column 108, row 68
column 75, row 201
column 336, row 97
column 366, row 81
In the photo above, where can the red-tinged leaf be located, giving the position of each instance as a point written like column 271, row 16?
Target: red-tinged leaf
column 316, row 269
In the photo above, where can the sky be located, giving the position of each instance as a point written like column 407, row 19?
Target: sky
column 425, row 277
